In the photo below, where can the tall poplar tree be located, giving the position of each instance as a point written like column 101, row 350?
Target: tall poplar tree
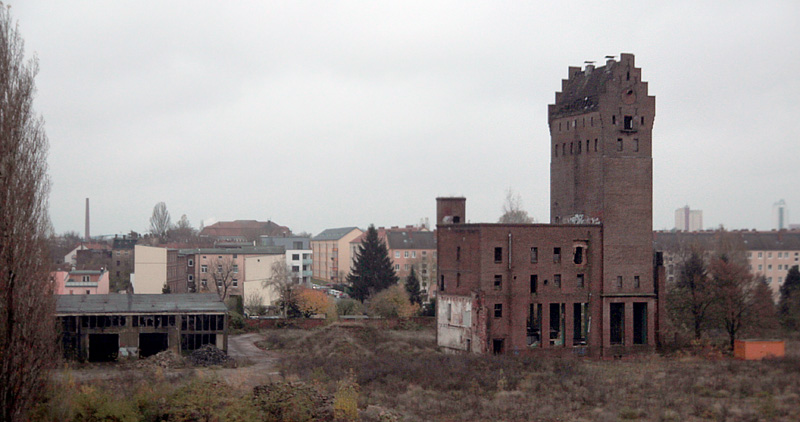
column 373, row 270
column 412, row 287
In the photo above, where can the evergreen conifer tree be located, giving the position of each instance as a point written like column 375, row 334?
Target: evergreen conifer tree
column 373, row 270
column 412, row 287
column 789, row 304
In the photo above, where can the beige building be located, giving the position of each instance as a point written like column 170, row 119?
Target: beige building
column 205, row 266
column 688, row 220
column 259, row 270
column 332, row 255
column 154, row 268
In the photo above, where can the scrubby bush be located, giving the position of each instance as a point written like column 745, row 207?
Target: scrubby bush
column 236, row 320
column 392, row 303
column 349, row 307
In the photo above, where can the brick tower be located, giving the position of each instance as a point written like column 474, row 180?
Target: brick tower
column 601, row 171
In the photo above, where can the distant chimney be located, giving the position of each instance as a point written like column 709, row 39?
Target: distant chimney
column 87, row 220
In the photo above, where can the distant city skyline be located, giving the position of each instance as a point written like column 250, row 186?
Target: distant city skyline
column 240, row 111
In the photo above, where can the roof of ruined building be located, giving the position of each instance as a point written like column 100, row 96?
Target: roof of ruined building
column 244, row 228
column 581, row 92
column 140, row 304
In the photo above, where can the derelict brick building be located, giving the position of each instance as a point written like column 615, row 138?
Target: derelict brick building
column 105, row 327
column 585, row 284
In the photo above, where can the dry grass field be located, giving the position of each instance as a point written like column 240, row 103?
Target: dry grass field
column 358, row 373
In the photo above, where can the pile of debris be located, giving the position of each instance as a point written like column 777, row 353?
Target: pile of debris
column 209, row 355
column 166, row 359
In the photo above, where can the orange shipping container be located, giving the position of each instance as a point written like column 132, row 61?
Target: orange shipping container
column 758, row 349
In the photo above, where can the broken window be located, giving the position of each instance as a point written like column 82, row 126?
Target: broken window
column 581, row 282
column 636, row 281
column 534, row 326
column 628, row 122
column 617, row 323
column 619, row 281
column 556, row 254
column 498, row 254
column 534, row 255
column 534, row 283
column 640, row 323
column 580, row 321
column 498, row 281
column 497, row 346
column 578, row 256
column 619, row 144
column 557, row 280
column 498, row 310
column 557, row 324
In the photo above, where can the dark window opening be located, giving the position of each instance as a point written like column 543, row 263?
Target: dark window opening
column 619, row 144
column 640, row 323
column 498, row 254
column 628, row 122
column 498, row 281
column 557, row 324
column 642, row 120
column 458, row 253
column 580, row 322
column 628, row 76
column 564, row 149
column 587, row 146
column 534, row 326
column 578, row 256
column 534, row 255
column 441, row 286
column 581, row 281
column 458, row 279
column 595, row 144
column 497, row 346
column 556, row 254
column 617, row 322
column 195, row 341
column 534, row 283
column 557, row 280
column 152, row 343
column 636, row 145
column 613, row 120
column 103, row 347
column 591, row 121
column 579, row 147
column 456, row 219
column 498, row 310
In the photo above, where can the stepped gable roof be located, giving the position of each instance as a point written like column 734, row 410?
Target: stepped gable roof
column 136, row 303
column 411, row 240
column 581, row 92
column 334, row 234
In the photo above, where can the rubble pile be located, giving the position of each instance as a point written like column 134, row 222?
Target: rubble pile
column 209, row 355
column 166, row 359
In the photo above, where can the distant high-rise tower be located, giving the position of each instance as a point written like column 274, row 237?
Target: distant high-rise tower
column 780, row 215
column 88, row 238
column 688, row 220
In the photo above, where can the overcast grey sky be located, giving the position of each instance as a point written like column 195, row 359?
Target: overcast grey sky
column 330, row 114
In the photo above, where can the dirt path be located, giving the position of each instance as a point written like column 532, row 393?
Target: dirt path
column 256, row 366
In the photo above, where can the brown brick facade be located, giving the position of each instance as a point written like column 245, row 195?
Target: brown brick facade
column 598, row 295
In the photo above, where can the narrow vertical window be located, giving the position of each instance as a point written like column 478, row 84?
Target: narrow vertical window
column 557, row 280
column 619, row 144
column 498, row 281
column 636, row 145
column 619, row 281
column 498, row 254
column 458, row 253
column 578, row 256
column 581, row 282
column 637, row 281
column 458, row 279
column 498, row 310
column 534, row 283
column 595, row 144
column 628, row 124
column 556, row 254
column 534, row 255
column 613, row 120
column 642, row 120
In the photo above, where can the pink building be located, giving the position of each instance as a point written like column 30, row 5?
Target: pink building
column 80, row 282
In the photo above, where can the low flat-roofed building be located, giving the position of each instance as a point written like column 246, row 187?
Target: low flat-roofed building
column 106, row 327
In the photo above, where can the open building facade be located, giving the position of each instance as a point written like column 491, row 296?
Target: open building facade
column 589, row 282
column 107, row 327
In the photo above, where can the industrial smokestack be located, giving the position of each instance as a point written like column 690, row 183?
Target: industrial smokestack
column 87, row 220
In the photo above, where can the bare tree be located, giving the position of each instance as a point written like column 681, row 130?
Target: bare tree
column 735, row 288
column 282, row 282
column 512, row 210
column 27, row 332
column 183, row 231
column 160, row 222
column 254, row 303
column 692, row 296
column 223, row 273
